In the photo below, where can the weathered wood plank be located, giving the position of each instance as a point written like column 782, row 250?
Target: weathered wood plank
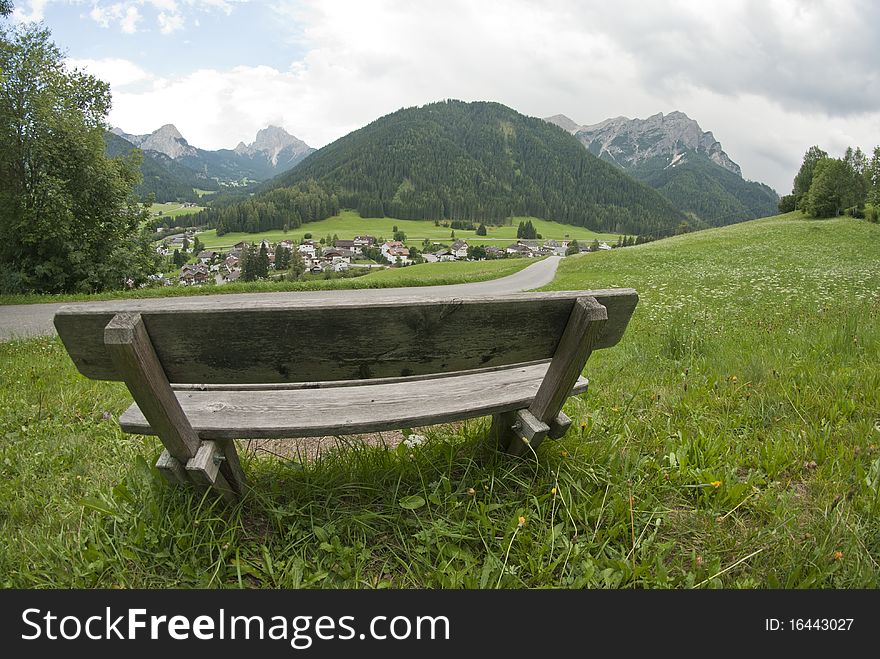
column 131, row 350
column 353, row 410
column 285, row 339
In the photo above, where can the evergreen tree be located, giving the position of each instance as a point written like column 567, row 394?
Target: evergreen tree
column 197, row 246
column 262, row 268
column 872, row 179
column 481, row 230
column 574, row 248
column 594, row 246
column 282, row 258
column 249, row 266
column 185, row 246
column 178, row 259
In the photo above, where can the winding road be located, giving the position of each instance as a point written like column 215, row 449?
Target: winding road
column 25, row 320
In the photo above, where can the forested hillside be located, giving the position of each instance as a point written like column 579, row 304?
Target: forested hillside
column 699, row 186
column 455, row 160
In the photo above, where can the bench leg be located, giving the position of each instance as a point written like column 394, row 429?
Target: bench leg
column 133, row 355
column 575, row 347
column 231, row 467
column 502, row 433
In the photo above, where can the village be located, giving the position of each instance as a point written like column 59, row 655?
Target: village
column 340, row 257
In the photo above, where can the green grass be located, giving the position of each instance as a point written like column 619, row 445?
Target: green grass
column 349, row 224
column 425, row 274
column 173, row 209
column 730, row 440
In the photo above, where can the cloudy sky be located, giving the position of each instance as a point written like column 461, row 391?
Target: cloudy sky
column 768, row 78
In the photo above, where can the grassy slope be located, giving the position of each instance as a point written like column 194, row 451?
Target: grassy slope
column 425, row 274
column 349, row 224
column 751, row 364
column 173, row 209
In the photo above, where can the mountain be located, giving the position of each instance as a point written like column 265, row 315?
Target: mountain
column 164, row 178
column 455, row 160
column 277, row 147
column 673, row 154
column 274, row 151
column 563, row 122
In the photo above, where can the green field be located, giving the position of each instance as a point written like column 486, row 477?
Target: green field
column 173, row 209
column 349, row 224
column 729, row 441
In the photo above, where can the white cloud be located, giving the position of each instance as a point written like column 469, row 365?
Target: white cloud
column 118, row 72
column 169, row 23
column 768, row 77
column 29, row 11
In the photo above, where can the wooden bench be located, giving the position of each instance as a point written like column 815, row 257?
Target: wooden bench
column 204, row 372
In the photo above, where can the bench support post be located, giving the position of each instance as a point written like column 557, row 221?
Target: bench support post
column 584, row 326
column 133, row 355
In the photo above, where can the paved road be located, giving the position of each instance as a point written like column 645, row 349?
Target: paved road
column 22, row 320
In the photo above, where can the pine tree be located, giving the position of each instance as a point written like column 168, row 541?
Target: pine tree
column 262, row 267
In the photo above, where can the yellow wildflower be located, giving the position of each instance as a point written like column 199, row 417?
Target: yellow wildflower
column 522, row 521
column 715, row 484
column 837, row 555
column 553, row 491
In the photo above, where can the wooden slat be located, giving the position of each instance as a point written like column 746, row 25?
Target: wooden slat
column 289, row 339
column 131, row 350
column 353, row 410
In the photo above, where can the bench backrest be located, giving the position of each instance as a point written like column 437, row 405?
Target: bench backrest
column 284, row 339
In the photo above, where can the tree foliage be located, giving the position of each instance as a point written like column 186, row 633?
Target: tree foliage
column 826, row 187
column 68, row 218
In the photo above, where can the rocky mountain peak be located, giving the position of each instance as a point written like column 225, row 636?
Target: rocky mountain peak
column 270, row 142
column 629, row 142
column 565, row 123
column 166, row 139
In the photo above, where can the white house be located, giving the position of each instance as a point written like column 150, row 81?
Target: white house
column 459, row 249
column 396, row 252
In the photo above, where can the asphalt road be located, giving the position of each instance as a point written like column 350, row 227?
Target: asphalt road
column 23, row 320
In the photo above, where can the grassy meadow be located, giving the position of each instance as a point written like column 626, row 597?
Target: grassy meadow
column 349, row 224
column 173, row 209
column 729, row 441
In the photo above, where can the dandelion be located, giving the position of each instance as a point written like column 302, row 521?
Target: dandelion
column 715, row 484
column 837, row 555
column 521, row 522
column 553, row 491
column 564, row 454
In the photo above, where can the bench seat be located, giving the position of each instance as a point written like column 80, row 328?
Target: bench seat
column 348, row 409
